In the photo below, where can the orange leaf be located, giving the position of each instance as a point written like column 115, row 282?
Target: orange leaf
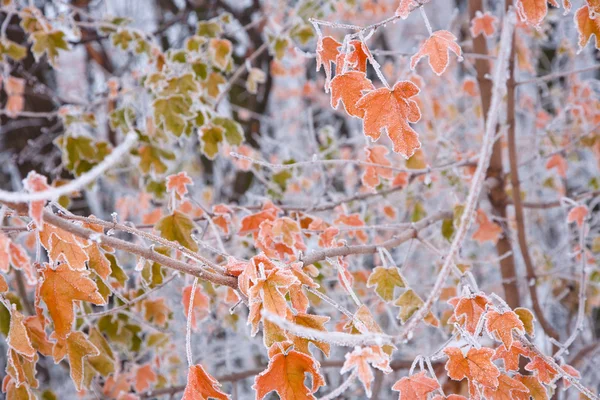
column 392, row 110
column 470, row 308
column 437, row 48
column 569, row 370
column 544, row 371
column 285, row 375
column 511, row 356
column 144, row 377
column 503, row 325
column 488, row 231
column 415, row 387
column 178, row 183
column 200, row 306
column 577, row 214
column 361, row 359
column 3, row 284
column 18, row 339
column 327, row 53
column 202, row 386
column 36, row 183
column 532, row 11
column 476, row 366
column 483, row 23
column 537, row 391
column 376, row 155
column 557, row 161
column 505, row 389
column 349, row 88
column 405, row 7
column 60, row 288
column 270, row 291
column 359, row 55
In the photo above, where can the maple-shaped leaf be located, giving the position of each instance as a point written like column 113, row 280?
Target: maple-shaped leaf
column 327, row 53
column 437, row 48
column 270, row 291
column 450, row 397
column 177, row 227
column 18, row 338
column 527, row 318
column 35, row 325
column 348, row 88
column 313, row 322
column 385, row 280
column 577, row 214
column 178, row 183
column 487, row 231
column 571, row 371
column 60, row 288
column 537, row 391
column 64, row 246
column 251, row 223
column 587, row 26
column 511, row 356
column 405, row 7
column 199, row 306
column 475, row 366
column 36, row 183
column 3, row 284
column 376, row 155
column 483, row 23
column 409, row 303
column 503, row 325
column 361, row 359
column 559, row 163
column 415, row 387
column 202, row 386
column 144, row 377
column 505, row 390
column 544, row 371
column 358, row 55
column 78, row 348
column 470, row 308
column 392, row 110
column 532, row 12
column 104, row 362
column 285, row 374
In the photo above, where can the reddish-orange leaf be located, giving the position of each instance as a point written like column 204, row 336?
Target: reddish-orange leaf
column 199, row 307
column 361, row 359
column 475, row 366
column 510, row 356
column 577, row 214
column 3, row 284
column 487, row 231
column 505, row 390
column 36, row 183
column 405, row 7
column 557, row 161
column 437, row 48
column 358, row 56
column 415, row 387
column 483, row 23
column 178, row 183
column 537, row 391
column 270, row 291
column 60, row 288
column 392, row 110
column 544, row 371
column 450, row 397
column 349, row 88
column 569, row 370
column 503, row 325
column 532, row 12
column 286, row 374
column 4, row 252
column 250, row 223
column 470, row 308
column 327, row 53
column 202, row 386
column 376, row 155
column 144, row 377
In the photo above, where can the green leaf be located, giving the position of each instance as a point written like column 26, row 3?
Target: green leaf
column 418, row 212
column 151, row 159
column 177, row 227
column 117, row 272
column 172, row 113
column 279, row 45
column 121, row 118
column 220, row 53
column 210, row 137
column 302, row 33
column 13, row 50
column 209, row 29
column 104, row 362
column 81, row 153
column 48, row 43
column 448, row 229
column 234, row 134
column 385, row 281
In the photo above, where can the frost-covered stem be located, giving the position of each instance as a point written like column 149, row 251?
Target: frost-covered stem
column 582, row 297
column 395, row 241
column 188, row 325
column 426, row 20
column 374, row 63
column 550, row 361
column 341, row 389
column 499, row 79
column 113, row 158
column 146, row 252
column 557, row 75
column 335, row 338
